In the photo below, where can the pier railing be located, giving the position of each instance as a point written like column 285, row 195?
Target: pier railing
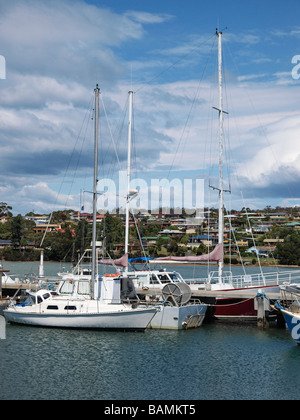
column 250, row 280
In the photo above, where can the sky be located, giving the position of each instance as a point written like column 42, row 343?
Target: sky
column 165, row 51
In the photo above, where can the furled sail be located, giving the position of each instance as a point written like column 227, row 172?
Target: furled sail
column 215, row 255
column 120, row 262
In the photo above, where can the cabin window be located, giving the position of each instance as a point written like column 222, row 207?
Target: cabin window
column 70, row 308
column 164, row 278
column 83, row 288
column 46, row 296
column 173, row 277
column 52, row 307
column 153, row 279
column 30, row 300
column 39, row 299
column 66, row 288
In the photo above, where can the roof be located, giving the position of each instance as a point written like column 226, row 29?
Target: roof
column 5, row 242
column 206, row 237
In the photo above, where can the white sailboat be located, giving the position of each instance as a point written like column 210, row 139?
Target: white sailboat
column 85, row 301
column 221, row 280
column 177, row 311
column 231, row 307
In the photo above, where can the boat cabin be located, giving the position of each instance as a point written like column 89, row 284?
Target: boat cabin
column 157, row 278
column 35, row 298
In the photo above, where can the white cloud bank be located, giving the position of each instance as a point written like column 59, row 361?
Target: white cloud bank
column 57, row 51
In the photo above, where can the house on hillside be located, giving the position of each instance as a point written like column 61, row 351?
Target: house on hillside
column 260, row 251
column 206, row 240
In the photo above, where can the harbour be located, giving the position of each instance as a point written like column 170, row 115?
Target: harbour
column 214, row 362
column 219, row 360
column 154, row 306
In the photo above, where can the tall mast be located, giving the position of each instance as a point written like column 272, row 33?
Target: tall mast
column 94, row 256
column 221, row 201
column 128, row 174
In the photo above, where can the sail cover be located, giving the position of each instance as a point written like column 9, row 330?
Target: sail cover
column 120, row 262
column 215, row 255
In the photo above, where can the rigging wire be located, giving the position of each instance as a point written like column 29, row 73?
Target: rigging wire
column 261, row 126
column 65, row 173
column 175, row 63
column 196, row 97
column 252, row 236
column 87, row 117
column 111, row 135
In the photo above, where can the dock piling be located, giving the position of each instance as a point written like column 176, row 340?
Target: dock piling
column 262, row 311
column 2, row 328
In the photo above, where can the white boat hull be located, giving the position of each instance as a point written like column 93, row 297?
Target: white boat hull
column 179, row 317
column 292, row 320
column 121, row 320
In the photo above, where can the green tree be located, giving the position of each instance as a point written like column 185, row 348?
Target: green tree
column 5, row 210
column 16, row 230
column 288, row 252
column 114, row 231
column 83, row 233
column 59, row 246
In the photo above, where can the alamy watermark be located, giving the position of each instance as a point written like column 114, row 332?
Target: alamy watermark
column 296, row 69
column 155, row 195
column 2, row 67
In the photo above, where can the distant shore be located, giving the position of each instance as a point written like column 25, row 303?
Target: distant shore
column 162, row 263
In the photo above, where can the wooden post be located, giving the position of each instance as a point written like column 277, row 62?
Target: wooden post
column 262, row 312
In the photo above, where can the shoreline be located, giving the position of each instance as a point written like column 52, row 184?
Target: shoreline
column 171, row 263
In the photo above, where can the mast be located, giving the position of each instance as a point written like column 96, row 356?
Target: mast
column 94, row 251
column 128, row 175
column 221, row 201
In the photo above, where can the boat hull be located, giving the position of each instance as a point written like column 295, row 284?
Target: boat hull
column 293, row 323
column 122, row 320
column 235, row 309
column 179, row 317
column 241, row 309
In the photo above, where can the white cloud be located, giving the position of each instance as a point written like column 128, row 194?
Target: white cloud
column 57, row 51
column 148, row 18
column 64, row 38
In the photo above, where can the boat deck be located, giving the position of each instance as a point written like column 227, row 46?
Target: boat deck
column 222, row 294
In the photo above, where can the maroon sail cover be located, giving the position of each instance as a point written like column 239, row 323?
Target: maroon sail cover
column 215, row 255
column 120, row 262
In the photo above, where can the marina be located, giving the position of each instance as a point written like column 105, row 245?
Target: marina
column 217, row 361
column 178, row 288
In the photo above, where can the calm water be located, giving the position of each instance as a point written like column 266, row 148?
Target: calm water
column 213, row 362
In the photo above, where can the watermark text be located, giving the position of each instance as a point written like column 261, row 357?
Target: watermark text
column 2, row 67
column 155, row 195
column 296, row 68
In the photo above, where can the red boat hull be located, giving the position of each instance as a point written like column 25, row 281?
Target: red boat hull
column 238, row 308
column 235, row 308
